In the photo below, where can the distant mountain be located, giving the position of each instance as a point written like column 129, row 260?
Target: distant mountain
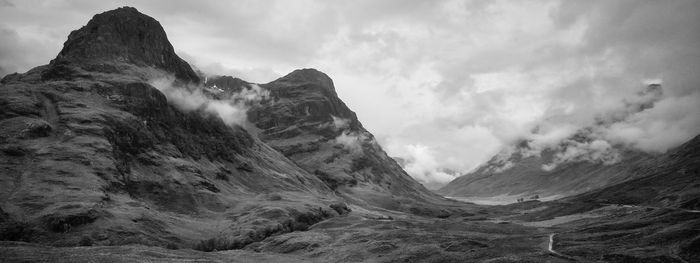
column 668, row 180
column 524, row 172
column 581, row 162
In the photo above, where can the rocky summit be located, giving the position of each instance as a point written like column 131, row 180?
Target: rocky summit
column 118, row 151
column 124, row 35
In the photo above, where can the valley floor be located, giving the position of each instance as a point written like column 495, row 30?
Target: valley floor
column 525, row 232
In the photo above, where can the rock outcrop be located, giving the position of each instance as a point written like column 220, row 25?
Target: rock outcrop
column 124, row 35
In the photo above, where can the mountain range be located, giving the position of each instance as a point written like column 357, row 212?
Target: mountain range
column 87, row 141
column 118, row 150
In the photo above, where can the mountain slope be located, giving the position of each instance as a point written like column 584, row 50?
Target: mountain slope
column 522, row 173
column 88, row 147
column 670, row 180
column 553, row 162
column 304, row 119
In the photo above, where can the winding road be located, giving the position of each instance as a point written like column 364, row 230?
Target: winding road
column 551, row 245
column 550, row 248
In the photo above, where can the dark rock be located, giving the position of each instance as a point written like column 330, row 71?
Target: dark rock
column 63, row 223
column 18, row 231
column 122, row 35
column 691, row 251
column 341, row 208
column 24, row 128
column 209, row 186
column 227, row 84
column 244, row 166
column 13, row 150
column 85, row 241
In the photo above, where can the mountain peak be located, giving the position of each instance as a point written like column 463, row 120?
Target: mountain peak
column 125, row 35
column 308, row 75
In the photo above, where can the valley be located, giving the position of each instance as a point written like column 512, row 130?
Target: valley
column 119, row 151
column 526, row 232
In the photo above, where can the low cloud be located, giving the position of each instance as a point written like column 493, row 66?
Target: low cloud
column 596, row 151
column 351, row 141
column 340, row 123
column 233, row 110
column 421, row 164
column 598, row 142
column 671, row 122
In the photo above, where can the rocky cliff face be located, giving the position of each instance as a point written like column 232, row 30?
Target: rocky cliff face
column 124, row 35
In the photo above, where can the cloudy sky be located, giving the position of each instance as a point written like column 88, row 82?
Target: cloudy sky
column 442, row 84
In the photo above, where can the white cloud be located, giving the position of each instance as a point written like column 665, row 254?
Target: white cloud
column 423, row 166
column 351, row 141
column 596, row 151
column 340, row 123
column 232, row 110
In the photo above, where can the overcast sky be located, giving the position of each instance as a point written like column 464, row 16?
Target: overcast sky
column 443, row 84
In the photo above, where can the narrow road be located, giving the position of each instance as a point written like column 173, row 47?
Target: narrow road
column 550, row 248
column 551, row 244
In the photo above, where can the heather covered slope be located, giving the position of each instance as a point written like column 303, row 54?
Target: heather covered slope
column 90, row 150
column 88, row 147
column 305, row 120
column 518, row 173
column 551, row 163
column 653, row 218
column 99, row 162
column 670, row 180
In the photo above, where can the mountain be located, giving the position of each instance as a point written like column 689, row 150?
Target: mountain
column 581, row 162
column 304, row 119
column 88, row 146
column 669, row 180
column 653, row 218
column 117, row 151
column 127, row 36
column 524, row 173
